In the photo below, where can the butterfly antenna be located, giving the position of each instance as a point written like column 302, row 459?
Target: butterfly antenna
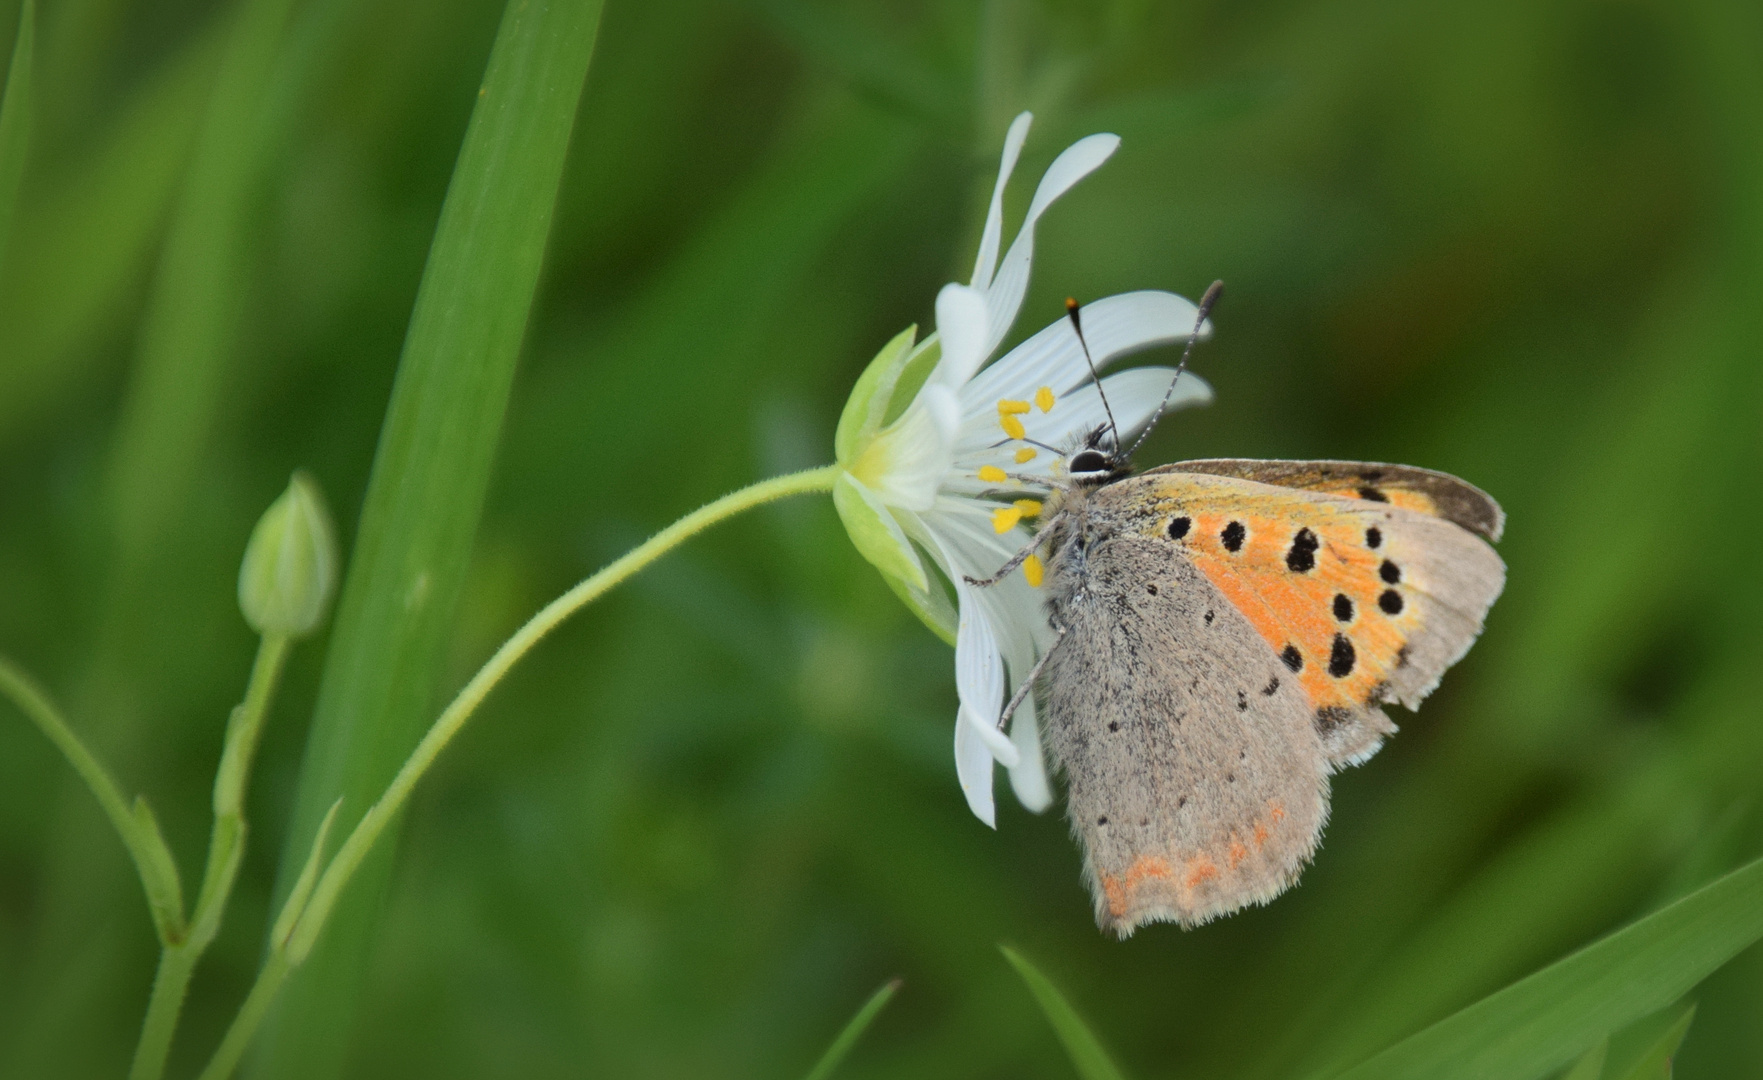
column 1071, row 312
column 1213, row 292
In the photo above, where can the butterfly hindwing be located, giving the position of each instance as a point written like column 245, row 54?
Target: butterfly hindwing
column 1195, row 779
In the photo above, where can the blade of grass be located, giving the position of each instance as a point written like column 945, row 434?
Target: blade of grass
column 1541, row 1022
column 1646, row 1052
column 1087, row 1055
column 427, row 487
column 1590, row 1066
column 853, row 1031
column 15, row 118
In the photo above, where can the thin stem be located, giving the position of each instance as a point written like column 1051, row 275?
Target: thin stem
column 176, row 964
column 285, row 957
column 226, row 847
column 250, row 1018
column 34, row 702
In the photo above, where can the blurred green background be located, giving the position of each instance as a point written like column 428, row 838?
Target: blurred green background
column 1520, row 241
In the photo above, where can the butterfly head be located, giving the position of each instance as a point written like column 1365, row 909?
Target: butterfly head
column 1098, row 461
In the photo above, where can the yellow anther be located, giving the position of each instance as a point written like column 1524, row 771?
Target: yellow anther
column 1027, row 453
column 1012, row 426
column 1044, row 398
column 1009, row 408
column 1004, row 518
column 991, row 474
column 1031, row 569
column 1030, row 507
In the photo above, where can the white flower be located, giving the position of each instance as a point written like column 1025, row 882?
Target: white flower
column 947, row 460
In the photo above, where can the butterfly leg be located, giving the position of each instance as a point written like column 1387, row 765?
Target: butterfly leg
column 1028, row 682
column 1016, row 560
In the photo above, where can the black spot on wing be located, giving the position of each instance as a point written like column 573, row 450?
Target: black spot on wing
column 1233, row 536
column 1374, row 537
column 1330, row 717
column 1293, row 659
column 1391, row 602
column 1343, row 607
column 1301, row 557
column 1371, row 494
column 1341, row 657
column 1271, row 687
column 1178, row 527
column 1390, row 572
column 1152, row 589
column 1242, row 701
column 1210, row 615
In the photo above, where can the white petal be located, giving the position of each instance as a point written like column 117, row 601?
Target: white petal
column 973, row 767
column 1115, row 327
column 961, row 324
column 1005, row 295
column 993, row 236
column 1029, row 778
column 979, row 669
column 997, row 743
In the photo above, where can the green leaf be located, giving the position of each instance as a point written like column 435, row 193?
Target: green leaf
column 426, row 490
column 1644, row 1052
column 868, row 403
column 15, row 118
column 877, row 536
column 1543, row 1021
column 1085, row 1049
column 919, row 365
column 302, row 890
column 853, row 1031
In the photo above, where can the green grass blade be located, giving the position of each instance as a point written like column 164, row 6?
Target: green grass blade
column 1541, row 1022
column 1590, row 1066
column 853, row 1031
column 426, row 491
column 15, row 118
column 1646, row 1052
column 1087, row 1055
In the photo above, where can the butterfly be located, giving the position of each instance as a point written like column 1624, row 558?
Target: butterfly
column 1227, row 634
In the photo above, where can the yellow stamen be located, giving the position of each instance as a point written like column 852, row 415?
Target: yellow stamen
column 991, row 474
column 1012, row 426
column 1044, row 398
column 1030, row 508
column 1027, row 453
column 1008, row 407
column 1031, row 569
column 1004, row 518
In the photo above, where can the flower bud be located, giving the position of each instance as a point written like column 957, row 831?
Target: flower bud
column 290, row 567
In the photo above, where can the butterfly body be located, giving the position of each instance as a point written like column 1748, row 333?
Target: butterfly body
column 1229, row 633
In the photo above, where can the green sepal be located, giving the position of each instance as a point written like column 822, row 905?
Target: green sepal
column 931, row 605
column 869, row 399
column 159, row 874
column 877, row 536
column 913, row 375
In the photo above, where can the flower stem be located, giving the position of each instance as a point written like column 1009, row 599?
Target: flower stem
column 310, row 920
column 226, row 847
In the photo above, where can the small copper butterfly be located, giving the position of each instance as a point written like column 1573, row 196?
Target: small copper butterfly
column 1227, row 632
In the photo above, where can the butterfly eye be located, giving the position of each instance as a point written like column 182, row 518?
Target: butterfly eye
column 1087, row 461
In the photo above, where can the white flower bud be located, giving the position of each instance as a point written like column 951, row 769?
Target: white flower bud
column 290, row 567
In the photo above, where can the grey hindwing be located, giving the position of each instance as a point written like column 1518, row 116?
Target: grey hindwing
column 1196, row 780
